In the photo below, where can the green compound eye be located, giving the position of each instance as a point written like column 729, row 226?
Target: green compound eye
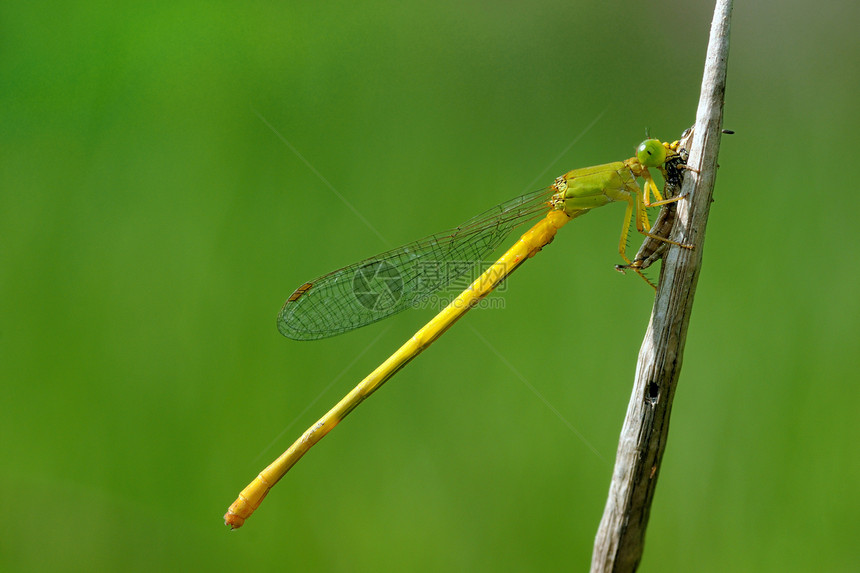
column 651, row 153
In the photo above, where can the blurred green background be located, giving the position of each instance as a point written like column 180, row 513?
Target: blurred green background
column 152, row 224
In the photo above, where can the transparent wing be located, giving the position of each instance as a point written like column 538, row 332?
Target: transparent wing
column 390, row 282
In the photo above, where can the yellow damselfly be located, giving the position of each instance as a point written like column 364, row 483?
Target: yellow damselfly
column 383, row 285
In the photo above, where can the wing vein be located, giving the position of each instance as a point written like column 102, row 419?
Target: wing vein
column 383, row 285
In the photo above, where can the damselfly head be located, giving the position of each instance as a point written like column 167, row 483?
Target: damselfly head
column 651, row 153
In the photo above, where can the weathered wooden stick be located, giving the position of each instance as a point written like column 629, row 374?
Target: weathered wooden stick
column 621, row 537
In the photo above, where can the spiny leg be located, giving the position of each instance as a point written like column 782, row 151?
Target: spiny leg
column 643, row 220
column 625, row 227
column 651, row 187
column 669, row 241
column 634, row 209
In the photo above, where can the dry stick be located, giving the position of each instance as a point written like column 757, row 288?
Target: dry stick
column 620, row 540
